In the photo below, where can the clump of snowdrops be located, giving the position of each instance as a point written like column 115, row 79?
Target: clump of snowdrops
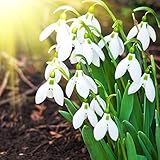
column 119, row 115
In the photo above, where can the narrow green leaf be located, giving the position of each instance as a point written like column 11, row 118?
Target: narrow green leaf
column 140, row 157
column 130, row 147
column 126, row 105
column 70, row 106
column 157, row 133
column 94, row 147
column 147, row 146
column 128, row 127
column 137, row 115
column 66, row 115
column 108, row 150
column 148, row 115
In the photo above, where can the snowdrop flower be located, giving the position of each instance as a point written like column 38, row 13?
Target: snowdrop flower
column 50, row 89
column 131, row 64
column 144, row 32
column 63, row 38
column 83, row 84
column 83, row 113
column 90, row 50
column 116, row 45
column 55, row 66
column 147, row 83
column 98, row 105
column 104, row 125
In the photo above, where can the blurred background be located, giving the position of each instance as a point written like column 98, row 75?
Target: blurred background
column 23, row 56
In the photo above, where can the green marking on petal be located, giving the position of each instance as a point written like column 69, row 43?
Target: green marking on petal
column 107, row 117
column 145, row 77
column 52, row 75
column 130, row 57
column 85, row 106
column 51, row 82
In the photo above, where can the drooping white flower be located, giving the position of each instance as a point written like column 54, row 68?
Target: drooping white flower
column 50, row 89
column 98, row 105
column 147, row 83
column 88, row 49
column 131, row 64
column 55, row 66
column 115, row 43
column 144, row 32
column 83, row 84
column 104, row 125
column 83, row 113
column 63, row 38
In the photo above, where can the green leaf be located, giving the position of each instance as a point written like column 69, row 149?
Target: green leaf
column 118, row 98
column 130, row 147
column 157, row 133
column 94, row 147
column 148, row 115
column 137, row 116
column 66, row 115
column 108, row 150
column 147, row 146
column 128, row 127
column 70, row 106
column 126, row 105
column 140, row 157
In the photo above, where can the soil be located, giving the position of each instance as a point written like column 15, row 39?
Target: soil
column 37, row 132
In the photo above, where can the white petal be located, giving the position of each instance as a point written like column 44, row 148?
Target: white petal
column 121, row 68
column 48, row 71
column 115, row 47
column 112, row 129
column 132, row 33
column 98, row 51
column 121, row 46
column 70, row 86
column 96, row 59
column 41, row 93
column 101, row 43
column 65, row 68
column 96, row 24
column 102, row 102
column 151, row 32
column 100, row 129
column 134, row 87
column 143, row 36
column 150, row 90
column 79, row 118
column 90, row 83
column 135, row 70
column 50, row 93
column 47, row 32
column 92, row 117
column 64, row 50
column 58, row 75
column 87, row 52
column 58, row 94
column 82, row 87
column 95, row 106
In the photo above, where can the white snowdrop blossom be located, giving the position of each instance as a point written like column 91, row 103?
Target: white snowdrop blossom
column 50, row 89
column 131, row 64
column 83, row 84
column 98, row 105
column 63, row 38
column 55, row 66
column 144, row 32
column 83, row 113
column 106, row 124
column 89, row 50
column 115, row 43
column 147, row 83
